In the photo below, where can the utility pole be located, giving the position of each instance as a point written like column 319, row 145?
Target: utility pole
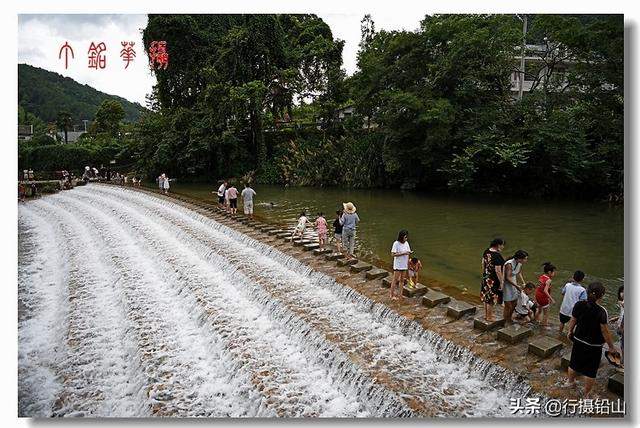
column 522, row 54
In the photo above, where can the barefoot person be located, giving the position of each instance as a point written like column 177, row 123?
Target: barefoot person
column 510, row 289
column 233, row 199
column 337, row 231
column 589, row 332
column 543, row 292
column 400, row 251
column 349, row 221
column 492, row 277
column 247, row 198
column 220, row 193
column 322, row 228
column 572, row 293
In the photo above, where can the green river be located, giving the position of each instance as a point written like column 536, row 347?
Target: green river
column 450, row 233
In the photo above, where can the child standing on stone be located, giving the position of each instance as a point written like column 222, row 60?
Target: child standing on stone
column 543, row 292
column 337, row 230
column 321, row 227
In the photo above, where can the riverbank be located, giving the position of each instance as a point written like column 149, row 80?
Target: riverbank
column 543, row 373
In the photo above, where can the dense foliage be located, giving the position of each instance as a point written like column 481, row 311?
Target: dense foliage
column 433, row 108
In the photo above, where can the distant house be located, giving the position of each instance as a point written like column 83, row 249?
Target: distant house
column 345, row 112
column 25, row 132
column 72, row 136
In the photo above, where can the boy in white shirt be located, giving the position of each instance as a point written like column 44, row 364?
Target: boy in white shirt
column 572, row 293
column 525, row 309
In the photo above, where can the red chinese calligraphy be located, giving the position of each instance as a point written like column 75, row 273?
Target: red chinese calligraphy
column 158, row 55
column 96, row 57
column 127, row 53
column 66, row 48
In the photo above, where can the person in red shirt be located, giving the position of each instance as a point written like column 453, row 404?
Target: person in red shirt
column 543, row 292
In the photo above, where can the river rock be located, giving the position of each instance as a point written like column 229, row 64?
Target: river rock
column 416, row 290
column 312, row 246
column 514, row 333
column 360, row 267
column 434, row 298
column 616, row 384
column 458, row 309
column 484, row 325
column 334, row 256
column 376, row 273
column 347, row 262
column 544, row 346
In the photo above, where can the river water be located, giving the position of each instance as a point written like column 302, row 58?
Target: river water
column 449, row 234
column 132, row 305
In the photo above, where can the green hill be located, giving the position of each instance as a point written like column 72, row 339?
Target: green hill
column 45, row 93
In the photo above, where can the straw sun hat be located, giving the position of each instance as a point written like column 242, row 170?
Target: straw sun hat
column 349, row 208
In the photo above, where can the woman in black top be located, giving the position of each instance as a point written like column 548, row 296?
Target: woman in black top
column 588, row 330
column 492, row 277
column 337, row 230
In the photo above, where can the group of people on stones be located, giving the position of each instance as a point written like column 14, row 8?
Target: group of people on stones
column 581, row 308
column 228, row 198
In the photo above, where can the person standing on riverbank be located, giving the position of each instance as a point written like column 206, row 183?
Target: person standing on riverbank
column 160, row 180
column 321, row 227
column 247, row 200
column 233, row 199
column 337, row 231
column 543, row 292
column 572, row 293
column 165, row 184
column 492, row 277
column 589, row 332
column 220, row 194
column 510, row 288
column 400, row 252
column 349, row 221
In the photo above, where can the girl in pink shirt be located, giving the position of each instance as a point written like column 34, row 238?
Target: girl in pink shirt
column 322, row 227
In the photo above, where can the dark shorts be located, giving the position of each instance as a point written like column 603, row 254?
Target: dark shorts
column 221, row 199
column 233, row 203
column 564, row 319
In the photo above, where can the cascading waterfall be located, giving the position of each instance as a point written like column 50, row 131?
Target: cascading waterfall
column 241, row 329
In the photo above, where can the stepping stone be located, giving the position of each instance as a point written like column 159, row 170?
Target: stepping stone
column 565, row 360
column 434, row 298
column 458, row 309
column 312, row 246
column 544, row 346
column 275, row 232
column 283, row 235
column 267, row 229
column 360, row 267
column 321, row 251
column 484, row 325
column 416, row 290
column 301, row 242
column 616, row 384
column 346, row 262
column 334, row 256
column 514, row 333
column 386, row 282
column 376, row 273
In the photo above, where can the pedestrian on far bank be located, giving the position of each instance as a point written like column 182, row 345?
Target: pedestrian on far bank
column 165, row 184
column 349, row 221
column 543, row 292
column 589, row 332
column 322, row 228
column 233, row 199
column 510, row 289
column 247, row 198
column 572, row 293
column 400, row 252
column 300, row 226
column 492, row 277
column 337, row 230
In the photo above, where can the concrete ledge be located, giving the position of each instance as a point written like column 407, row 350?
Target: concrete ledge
column 616, row 384
column 434, row 298
column 334, row 256
column 514, row 333
column 544, row 346
column 484, row 325
column 416, row 290
column 360, row 267
column 376, row 273
column 312, row 246
column 386, row 282
column 322, row 251
column 457, row 309
column 346, row 262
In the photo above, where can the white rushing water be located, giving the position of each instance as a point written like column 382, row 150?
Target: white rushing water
column 132, row 305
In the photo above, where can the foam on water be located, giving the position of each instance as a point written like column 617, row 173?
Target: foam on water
column 185, row 316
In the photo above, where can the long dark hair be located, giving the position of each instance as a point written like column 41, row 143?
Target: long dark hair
column 520, row 254
column 548, row 267
column 497, row 241
column 402, row 235
column 595, row 291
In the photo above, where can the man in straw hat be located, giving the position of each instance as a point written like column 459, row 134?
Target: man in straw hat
column 349, row 221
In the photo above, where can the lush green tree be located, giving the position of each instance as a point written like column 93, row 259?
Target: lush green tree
column 64, row 122
column 108, row 118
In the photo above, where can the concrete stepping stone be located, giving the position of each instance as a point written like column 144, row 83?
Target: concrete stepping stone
column 334, row 256
column 301, row 242
column 457, row 309
column 376, row 273
column 616, row 384
column 544, row 346
column 416, row 290
column 514, row 333
column 434, row 298
column 386, row 282
column 276, row 232
column 283, row 235
column 312, row 246
column 484, row 325
column 360, row 267
column 268, row 229
column 347, row 262
column 322, row 251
